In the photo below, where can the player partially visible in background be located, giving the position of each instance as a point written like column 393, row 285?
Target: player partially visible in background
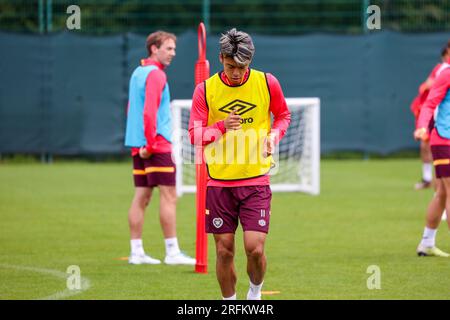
column 149, row 134
column 416, row 105
column 440, row 148
column 235, row 105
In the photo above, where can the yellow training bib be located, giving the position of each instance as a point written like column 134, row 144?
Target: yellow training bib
column 238, row 154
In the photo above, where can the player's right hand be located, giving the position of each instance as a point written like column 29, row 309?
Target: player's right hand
column 421, row 134
column 143, row 153
column 233, row 121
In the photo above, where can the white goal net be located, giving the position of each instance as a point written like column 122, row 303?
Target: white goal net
column 297, row 157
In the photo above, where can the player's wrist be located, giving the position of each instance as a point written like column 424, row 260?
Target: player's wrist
column 221, row 126
column 421, row 130
column 274, row 136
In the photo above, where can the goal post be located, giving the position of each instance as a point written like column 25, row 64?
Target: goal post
column 297, row 158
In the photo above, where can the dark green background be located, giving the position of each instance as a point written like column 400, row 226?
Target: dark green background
column 65, row 93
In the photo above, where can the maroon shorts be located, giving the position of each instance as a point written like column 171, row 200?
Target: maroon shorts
column 441, row 160
column 226, row 206
column 158, row 170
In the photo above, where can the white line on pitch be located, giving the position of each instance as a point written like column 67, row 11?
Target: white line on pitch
column 85, row 283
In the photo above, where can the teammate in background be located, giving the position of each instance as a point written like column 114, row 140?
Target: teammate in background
column 148, row 133
column 425, row 151
column 440, row 148
column 235, row 105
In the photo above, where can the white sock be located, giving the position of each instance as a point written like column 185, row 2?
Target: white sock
column 255, row 290
column 172, row 247
column 429, row 237
column 233, row 297
column 136, row 247
column 427, row 172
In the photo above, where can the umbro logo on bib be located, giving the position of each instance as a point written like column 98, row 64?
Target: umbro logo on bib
column 240, row 106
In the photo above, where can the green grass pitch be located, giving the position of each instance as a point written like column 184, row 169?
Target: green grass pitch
column 319, row 247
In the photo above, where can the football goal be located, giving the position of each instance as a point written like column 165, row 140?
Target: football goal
column 297, row 159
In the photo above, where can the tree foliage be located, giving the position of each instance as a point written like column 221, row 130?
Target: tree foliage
column 260, row 16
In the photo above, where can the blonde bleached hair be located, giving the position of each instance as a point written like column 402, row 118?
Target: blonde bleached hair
column 237, row 45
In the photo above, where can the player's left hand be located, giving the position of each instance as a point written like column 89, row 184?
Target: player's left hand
column 421, row 134
column 143, row 153
column 269, row 145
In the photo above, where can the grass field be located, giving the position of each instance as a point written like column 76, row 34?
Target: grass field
column 54, row 216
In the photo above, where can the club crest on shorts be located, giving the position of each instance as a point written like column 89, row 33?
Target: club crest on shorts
column 262, row 222
column 217, row 222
